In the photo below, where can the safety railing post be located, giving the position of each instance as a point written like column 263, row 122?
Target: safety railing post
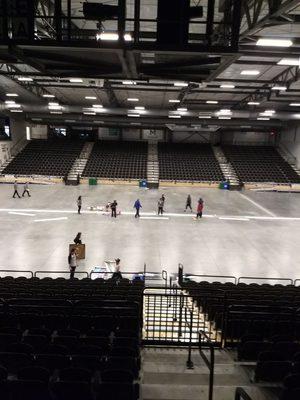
column 189, row 363
column 181, row 300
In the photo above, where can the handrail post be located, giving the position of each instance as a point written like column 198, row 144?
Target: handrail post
column 209, row 363
column 189, row 363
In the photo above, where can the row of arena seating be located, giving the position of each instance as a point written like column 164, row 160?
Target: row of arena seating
column 45, row 157
column 118, row 160
column 191, row 162
column 177, row 161
column 260, row 164
column 62, row 339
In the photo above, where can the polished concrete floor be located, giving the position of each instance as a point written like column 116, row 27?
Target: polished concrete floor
column 241, row 234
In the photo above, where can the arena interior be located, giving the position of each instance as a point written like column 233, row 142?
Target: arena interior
column 166, row 132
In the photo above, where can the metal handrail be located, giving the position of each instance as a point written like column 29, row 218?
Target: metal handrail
column 61, row 272
column 240, row 394
column 213, row 276
column 210, row 363
column 259, row 278
column 16, row 270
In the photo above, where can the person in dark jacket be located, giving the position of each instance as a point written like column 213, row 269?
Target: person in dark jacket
column 117, row 274
column 200, row 208
column 77, row 239
column 113, row 207
column 160, row 205
column 72, row 260
column 188, row 203
column 137, row 206
column 79, row 204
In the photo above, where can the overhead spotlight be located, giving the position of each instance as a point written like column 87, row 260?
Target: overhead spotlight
column 90, row 97
column 183, row 109
column 10, row 102
column 174, row 101
column 253, row 103
column 174, row 116
column 133, row 99
column 211, row 102
column 295, row 104
column 12, row 95
column 50, row 96
column 133, row 115
column 139, row 108
column 225, row 86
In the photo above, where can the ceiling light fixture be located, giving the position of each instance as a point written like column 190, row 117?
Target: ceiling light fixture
column 52, row 103
column 263, row 119
column 139, row 108
column 25, row 79
column 133, row 115
column 224, row 117
column 181, row 84
column 50, row 96
column 12, row 95
column 16, row 111
column 253, row 103
column 128, row 82
column 250, row 72
column 76, row 80
column 10, row 102
column 225, row 86
column 14, row 105
column 272, row 42
column 133, row 99
column 174, row 101
column 174, row 116
column 55, row 112
column 295, row 104
column 91, row 97
column 289, row 61
column 183, row 109
column 89, row 113
column 113, row 36
column 98, row 105
column 204, row 116
column 211, row 102
column 279, row 87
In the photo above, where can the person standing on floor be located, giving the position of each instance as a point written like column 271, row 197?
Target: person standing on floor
column 113, row 207
column 26, row 189
column 72, row 259
column 160, row 205
column 163, row 200
column 16, row 190
column 137, row 206
column 188, row 203
column 117, row 274
column 200, row 208
column 79, row 204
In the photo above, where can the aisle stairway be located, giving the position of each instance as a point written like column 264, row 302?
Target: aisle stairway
column 227, row 168
column 80, row 163
column 166, row 377
column 152, row 166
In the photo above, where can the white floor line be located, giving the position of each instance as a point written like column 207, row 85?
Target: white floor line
column 234, row 218
column 50, row 219
column 145, row 215
column 21, row 213
column 258, row 205
column 154, row 218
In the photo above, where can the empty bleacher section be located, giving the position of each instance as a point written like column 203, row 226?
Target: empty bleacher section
column 117, row 160
column 70, row 339
column 188, row 162
column 45, row 157
column 260, row 164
